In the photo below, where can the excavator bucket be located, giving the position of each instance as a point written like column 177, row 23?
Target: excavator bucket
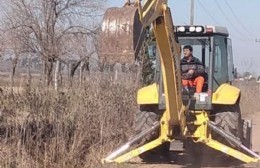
column 121, row 35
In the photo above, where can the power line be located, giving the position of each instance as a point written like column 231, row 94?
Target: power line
column 215, row 20
column 235, row 16
column 237, row 37
column 230, row 22
column 208, row 13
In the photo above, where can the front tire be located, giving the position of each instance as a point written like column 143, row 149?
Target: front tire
column 145, row 120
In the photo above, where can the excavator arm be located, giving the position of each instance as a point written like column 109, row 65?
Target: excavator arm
column 157, row 13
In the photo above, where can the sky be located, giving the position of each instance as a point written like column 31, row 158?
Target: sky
column 241, row 17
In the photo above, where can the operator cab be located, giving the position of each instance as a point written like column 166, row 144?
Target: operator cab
column 213, row 47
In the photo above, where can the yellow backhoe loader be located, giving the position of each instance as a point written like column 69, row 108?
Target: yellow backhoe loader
column 168, row 112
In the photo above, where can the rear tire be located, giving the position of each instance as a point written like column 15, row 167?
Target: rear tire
column 143, row 121
column 247, row 133
column 228, row 118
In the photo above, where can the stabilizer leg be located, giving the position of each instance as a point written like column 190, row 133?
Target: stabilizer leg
column 120, row 154
column 228, row 150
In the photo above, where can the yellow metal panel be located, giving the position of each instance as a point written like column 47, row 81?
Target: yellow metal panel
column 201, row 123
column 234, row 153
column 148, row 95
column 140, row 150
column 151, row 10
column 226, row 94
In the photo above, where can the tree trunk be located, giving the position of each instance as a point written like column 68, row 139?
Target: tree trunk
column 56, row 75
column 48, row 71
column 73, row 69
column 81, row 72
column 14, row 62
column 29, row 72
column 84, row 67
column 117, row 70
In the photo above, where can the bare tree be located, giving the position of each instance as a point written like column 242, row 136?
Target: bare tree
column 13, row 42
column 84, row 46
column 48, row 24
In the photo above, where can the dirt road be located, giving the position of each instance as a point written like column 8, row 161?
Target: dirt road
column 179, row 160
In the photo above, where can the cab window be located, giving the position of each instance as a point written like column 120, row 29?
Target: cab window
column 221, row 74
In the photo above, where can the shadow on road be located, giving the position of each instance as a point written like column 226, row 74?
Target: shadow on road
column 183, row 160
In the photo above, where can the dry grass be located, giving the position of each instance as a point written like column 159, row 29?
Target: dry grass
column 43, row 128
column 78, row 125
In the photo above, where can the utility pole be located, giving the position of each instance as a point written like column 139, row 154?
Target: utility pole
column 191, row 12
